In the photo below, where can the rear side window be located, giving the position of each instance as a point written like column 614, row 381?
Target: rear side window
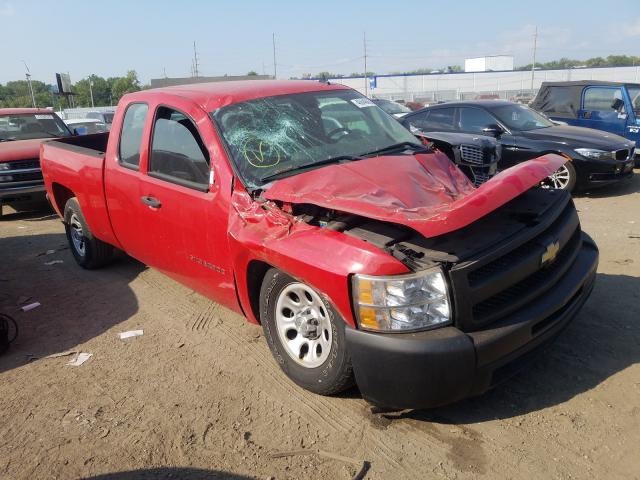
column 440, row 119
column 131, row 135
column 601, row 99
column 178, row 153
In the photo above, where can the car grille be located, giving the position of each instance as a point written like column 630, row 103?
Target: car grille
column 499, row 283
column 472, row 154
column 21, row 173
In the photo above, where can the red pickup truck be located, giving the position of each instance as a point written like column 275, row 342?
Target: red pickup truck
column 21, row 133
column 364, row 255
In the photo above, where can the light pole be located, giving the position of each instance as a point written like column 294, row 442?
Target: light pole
column 91, row 91
column 28, row 75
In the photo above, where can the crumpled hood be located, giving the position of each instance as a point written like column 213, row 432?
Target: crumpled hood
column 425, row 192
column 20, row 149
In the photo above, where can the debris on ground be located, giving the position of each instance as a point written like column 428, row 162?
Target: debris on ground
column 80, row 359
column 130, row 333
column 62, row 354
column 53, row 262
column 31, row 306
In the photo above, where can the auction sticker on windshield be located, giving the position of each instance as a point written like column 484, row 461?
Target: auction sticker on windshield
column 362, row 102
column 44, row 117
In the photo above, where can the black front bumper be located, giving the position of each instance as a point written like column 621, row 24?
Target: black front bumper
column 596, row 173
column 433, row 368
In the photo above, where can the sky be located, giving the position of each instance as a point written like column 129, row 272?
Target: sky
column 156, row 37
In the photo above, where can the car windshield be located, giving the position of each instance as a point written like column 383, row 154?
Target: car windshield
column 292, row 133
column 391, row 107
column 520, row 117
column 31, row 125
column 634, row 94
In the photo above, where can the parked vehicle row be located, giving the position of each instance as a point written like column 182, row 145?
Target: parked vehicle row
column 365, row 256
column 22, row 130
column 596, row 158
column 609, row 106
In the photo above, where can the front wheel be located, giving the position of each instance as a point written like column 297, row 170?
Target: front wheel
column 305, row 334
column 563, row 179
column 88, row 251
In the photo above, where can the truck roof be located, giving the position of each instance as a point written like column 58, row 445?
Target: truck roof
column 211, row 96
column 23, row 111
column 585, row 83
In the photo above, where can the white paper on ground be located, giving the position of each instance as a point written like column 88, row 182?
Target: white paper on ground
column 130, row 333
column 53, row 262
column 80, row 359
column 49, row 252
column 31, row 306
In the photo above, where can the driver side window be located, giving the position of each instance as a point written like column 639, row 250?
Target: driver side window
column 473, row 120
column 178, row 154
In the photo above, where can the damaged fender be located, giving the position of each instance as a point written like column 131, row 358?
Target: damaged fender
column 321, row 257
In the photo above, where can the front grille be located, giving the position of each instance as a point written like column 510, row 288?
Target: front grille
column 21, row 173
column 499, row 282
column 24, row 164
column 472, row 154
column 534, row 282
column 621, row 154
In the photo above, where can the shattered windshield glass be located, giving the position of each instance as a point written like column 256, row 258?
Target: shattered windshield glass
column 292, row 133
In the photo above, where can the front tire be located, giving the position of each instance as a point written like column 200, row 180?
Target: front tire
column 88, row 251
column 305, row 334
column 562, row 179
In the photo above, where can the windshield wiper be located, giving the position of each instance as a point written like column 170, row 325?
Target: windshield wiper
column 308, row 166
column 9, row 139
column 417, row 148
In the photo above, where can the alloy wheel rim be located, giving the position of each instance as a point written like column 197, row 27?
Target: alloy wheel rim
column 303, row 325
column 77, row 237
column 559, row 179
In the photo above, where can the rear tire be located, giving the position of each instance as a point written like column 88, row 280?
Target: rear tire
column 324, row 366
column 88, row 251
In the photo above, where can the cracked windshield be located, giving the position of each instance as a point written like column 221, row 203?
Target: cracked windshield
column 289, row 134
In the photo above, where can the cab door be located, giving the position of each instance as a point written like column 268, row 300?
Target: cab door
column 181, row 205
column 599, row 109
column 122, row 179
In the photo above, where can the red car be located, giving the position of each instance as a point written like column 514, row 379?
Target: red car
column 365, row 256
column 21, row 133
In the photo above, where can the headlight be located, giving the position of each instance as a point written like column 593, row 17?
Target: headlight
column 5, row 166
column 595, row 153
column 415, row 301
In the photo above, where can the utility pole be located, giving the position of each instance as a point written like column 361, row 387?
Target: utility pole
column 195, row 60
column 28, row 75
column 366, row 79
column 91, row 90
column 535, row 46
column 275, row 68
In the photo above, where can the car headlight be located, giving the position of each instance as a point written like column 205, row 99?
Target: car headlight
column 595, row 153
column 416, row 301
column 5, row 166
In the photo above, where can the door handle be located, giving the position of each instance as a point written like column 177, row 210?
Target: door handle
column 151, row 201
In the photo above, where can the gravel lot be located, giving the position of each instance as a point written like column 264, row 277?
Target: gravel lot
column 199, row 396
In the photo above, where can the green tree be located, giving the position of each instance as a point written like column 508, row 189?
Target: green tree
column 123, row 85
column 101, row 92
column 252, row 73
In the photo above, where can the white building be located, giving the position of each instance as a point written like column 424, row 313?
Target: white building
column 493, row 63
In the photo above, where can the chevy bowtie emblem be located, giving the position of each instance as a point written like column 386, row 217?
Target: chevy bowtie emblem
column 550, row 253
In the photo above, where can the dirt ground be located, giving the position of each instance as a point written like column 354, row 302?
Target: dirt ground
column 199, row 396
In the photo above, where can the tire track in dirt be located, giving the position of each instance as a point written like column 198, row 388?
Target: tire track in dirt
column 343, row 417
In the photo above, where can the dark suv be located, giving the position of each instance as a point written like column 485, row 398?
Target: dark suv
column 597, row 158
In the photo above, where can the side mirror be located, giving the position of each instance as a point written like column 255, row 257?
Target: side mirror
column 617, row 104
column 494, row 130
column 80, row 131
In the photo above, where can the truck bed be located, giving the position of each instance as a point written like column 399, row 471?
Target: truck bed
column 95, row 144
column 78, row 162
